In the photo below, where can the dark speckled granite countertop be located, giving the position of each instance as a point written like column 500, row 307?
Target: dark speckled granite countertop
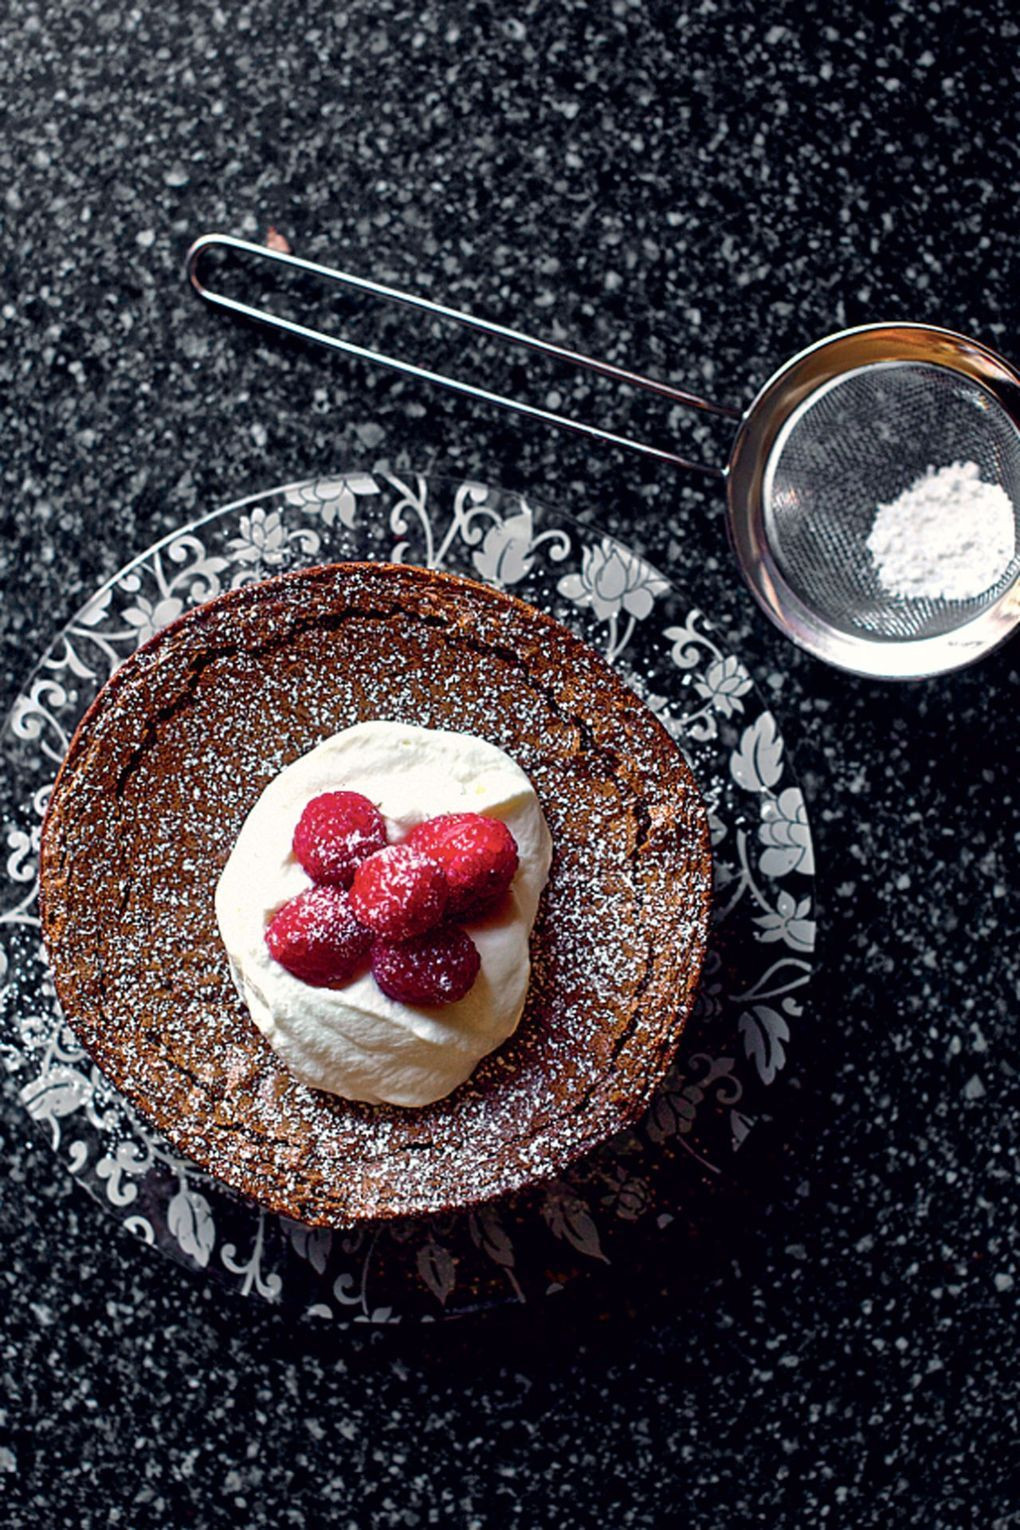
column 699, row 191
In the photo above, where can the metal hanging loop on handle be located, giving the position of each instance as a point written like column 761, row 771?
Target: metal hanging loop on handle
column 423, row 374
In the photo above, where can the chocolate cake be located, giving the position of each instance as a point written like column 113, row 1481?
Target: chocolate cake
column 162, row 773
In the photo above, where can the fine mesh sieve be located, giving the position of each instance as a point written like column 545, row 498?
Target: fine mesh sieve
column 861, row 441
column 846, row 427
column 843, row 428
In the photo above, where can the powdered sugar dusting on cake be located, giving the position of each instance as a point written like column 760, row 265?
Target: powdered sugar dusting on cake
column 165, row 769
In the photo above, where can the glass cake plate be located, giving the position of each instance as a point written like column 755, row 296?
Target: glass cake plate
column 742, row 1046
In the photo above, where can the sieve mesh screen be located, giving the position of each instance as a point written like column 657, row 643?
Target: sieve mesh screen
column 857, row 443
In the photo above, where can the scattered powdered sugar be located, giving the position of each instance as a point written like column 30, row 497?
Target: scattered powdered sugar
column 949, row 536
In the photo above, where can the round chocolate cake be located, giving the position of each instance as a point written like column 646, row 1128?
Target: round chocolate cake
column 159, row 779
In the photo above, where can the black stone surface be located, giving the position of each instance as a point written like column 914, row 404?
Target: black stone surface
column 697, row 190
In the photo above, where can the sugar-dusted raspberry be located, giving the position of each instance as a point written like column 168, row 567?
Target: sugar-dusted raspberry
column 335, row 833
column 478, row 856
column 317, row 938
column 399, row 893
column 435, row 968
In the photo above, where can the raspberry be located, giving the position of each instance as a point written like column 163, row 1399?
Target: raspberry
column 317, row 938
column 335, row 833
column 478, row 856
column 399, row 893
column 435, row 968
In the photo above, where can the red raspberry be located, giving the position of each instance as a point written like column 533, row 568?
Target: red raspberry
column 436, row 968
column 335, row 833
column 399, row 893
column 478, row 856
column 317, row 938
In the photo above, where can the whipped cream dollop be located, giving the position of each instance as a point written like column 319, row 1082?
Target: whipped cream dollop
column 355, row 1041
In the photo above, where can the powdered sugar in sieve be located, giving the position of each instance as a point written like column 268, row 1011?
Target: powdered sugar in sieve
column 948, row 536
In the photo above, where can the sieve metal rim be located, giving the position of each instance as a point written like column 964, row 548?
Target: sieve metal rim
column 800, row 378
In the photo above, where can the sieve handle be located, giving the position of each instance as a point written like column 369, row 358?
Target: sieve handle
column 423, row 374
